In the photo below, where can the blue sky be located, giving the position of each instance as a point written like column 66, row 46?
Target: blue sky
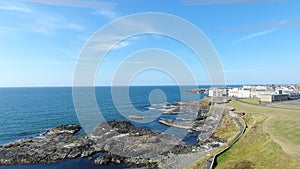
column 257, row 42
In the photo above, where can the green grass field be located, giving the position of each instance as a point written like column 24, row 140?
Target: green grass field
column 272, row 139
column 251, row 101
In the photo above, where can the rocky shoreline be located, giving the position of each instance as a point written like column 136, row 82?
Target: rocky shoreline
column 203, row 116
column 122, row 141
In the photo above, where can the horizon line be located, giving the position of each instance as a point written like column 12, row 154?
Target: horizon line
column 149, row 85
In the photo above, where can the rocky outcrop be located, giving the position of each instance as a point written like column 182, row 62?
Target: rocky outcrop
column 180, row 108
column 199, row 90
column 109, row 158
column 203, row 116
column 123, row 141
column 69, row 128
column 126, row 140
column 187, row 124
column 51, row 149
column 219, row 100
column 136, row 117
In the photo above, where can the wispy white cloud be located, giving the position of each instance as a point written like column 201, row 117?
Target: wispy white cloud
column 262, row 26
column 36, row 19
column 122, row 45
column 16, row 8
column 75, row 27
column 221, row 2
column 116, row 35
column 45, row 61
column 107, row 42
column 103, row 8
column 49, row 24
column 269, row 28
column 108, row 13
column 76, row 3
column 6, row 28
column 258, row 34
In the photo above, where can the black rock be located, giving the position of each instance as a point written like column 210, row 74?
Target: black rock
column 102, row 160
column 54, row 148
column 123, row 141
column 68, row 128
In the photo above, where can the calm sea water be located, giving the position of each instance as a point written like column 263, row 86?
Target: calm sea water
column 27, row 112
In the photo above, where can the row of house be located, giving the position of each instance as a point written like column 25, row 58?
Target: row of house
column 267, row 93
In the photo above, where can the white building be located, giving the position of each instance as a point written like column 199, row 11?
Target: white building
column 239, row 93
column 258, row 91
column 217, row 92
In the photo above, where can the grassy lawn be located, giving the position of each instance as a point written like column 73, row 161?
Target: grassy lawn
column 251, row 101
column 272, row 139
column 284, row 105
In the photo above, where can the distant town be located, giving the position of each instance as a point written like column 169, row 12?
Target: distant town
column 267, row 93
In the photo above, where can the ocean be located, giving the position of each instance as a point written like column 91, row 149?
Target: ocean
column 27, row 112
